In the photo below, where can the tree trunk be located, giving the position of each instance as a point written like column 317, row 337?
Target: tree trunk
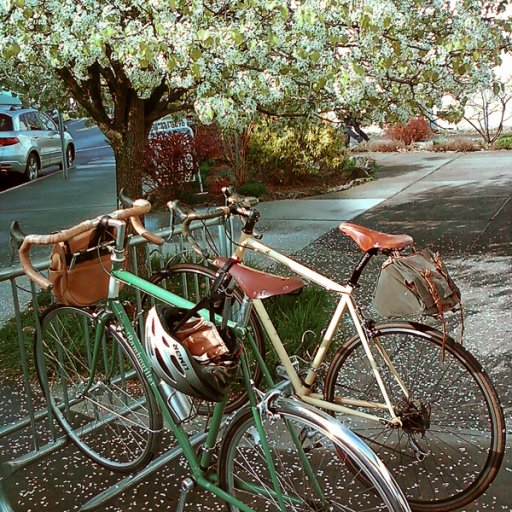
column 129, row 149
column 128, row 145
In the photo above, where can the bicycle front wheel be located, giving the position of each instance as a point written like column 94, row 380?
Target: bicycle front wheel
column 111, row 414
column 193, row 282
column 309, row 451
column 452, row 440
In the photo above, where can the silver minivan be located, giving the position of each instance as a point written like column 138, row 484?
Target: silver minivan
column 30, row 141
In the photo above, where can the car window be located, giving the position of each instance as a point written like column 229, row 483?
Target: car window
column 33, row 121
column 46, row 122
column 23, row 123
column 5, row 123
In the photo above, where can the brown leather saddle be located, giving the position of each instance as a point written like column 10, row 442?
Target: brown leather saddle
column 368, row 239
column 260, row 285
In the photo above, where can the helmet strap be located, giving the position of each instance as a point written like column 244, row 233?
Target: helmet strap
column 208, row 301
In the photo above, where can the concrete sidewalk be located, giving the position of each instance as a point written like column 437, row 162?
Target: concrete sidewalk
column 460, row 205
column 307, row 219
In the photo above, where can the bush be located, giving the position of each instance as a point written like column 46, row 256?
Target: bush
column 169, row 165
column 462, row 145
column 207, row 143
column 503, row 142
column 416, row 130
column 359, row 167
column 253, row 189
column 282, row 153
column 379, row 146
column 172, row 160
column 216, row 184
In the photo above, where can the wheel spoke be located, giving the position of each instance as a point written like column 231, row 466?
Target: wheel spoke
column 452, row 421
column 110, row 415
column 331, row 482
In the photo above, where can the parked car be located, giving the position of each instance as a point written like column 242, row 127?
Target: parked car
column 30, row 141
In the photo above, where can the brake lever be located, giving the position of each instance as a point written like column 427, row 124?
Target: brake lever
column 257, row 235
column 16, row 239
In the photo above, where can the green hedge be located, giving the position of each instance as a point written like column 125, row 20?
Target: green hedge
column 282, row 152
column 504, row 142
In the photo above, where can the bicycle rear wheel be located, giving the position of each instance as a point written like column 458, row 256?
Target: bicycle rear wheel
column 452, row 441
column 308, row 450
column 111, row 416
column 193, row 282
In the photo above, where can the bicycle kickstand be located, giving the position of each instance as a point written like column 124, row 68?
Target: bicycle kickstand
column 186, row 486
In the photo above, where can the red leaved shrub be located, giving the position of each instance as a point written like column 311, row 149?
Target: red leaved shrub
column 417, row 129
column 207, row 142
column 172, row 159
column 169, row 164
column 217, row 184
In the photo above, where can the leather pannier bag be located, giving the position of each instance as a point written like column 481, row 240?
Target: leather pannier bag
column 415, row 284
column 80, row 267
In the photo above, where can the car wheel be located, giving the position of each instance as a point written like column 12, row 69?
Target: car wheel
column 69, row 158
column 32, row 168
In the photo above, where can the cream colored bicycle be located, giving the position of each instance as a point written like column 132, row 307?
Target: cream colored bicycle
column 437, row 424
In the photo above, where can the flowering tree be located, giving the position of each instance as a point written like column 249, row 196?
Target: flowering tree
column 130, row 62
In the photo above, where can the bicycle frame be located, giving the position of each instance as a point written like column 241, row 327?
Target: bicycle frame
column 346, row 303
column 114, row 319
column 196, row 463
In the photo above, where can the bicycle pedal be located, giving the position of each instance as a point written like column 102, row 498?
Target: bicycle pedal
column 187, row 485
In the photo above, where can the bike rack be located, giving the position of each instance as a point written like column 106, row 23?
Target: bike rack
column 45, row 440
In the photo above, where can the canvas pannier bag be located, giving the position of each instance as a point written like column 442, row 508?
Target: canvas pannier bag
column 80, row 267
column 415, row 284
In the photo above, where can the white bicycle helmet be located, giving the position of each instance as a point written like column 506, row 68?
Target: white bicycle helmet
column 206, row 370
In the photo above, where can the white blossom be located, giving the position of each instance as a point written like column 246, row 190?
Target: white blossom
column 381, row 57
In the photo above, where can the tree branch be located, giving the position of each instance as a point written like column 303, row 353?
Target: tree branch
column 85, row 93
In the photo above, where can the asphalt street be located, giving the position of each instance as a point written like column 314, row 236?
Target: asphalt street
column 53, row 202
column 459, row 204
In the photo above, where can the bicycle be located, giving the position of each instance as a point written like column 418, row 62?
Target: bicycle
column 110, row 394
column 387, row 382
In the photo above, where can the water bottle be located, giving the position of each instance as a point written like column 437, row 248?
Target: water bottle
column 179, row 404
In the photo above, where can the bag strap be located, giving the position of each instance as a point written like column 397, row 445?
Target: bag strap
column 437, row 303
column 208, row 301
column 442, row 270
column 97, row 237
column 99, row 232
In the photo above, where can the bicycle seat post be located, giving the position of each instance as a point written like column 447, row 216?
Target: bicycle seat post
column 356, row 274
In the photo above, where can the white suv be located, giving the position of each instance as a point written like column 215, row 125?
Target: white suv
column 30, row 141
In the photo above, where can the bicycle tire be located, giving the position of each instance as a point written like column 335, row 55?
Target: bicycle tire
column 192, row 281
column 453, row 416
column 324, row 442
column 116, row 422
